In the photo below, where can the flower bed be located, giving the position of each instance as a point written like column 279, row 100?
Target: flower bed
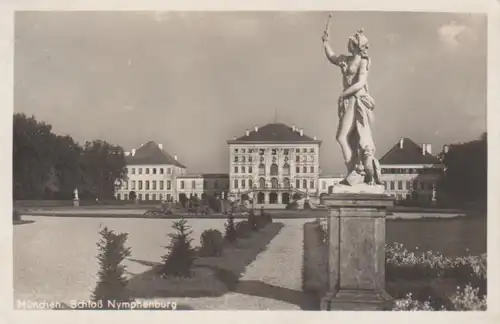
column 418, row 281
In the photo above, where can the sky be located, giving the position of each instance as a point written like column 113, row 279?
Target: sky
column 193, row 80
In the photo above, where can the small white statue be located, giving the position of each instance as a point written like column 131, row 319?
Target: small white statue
column 75, row 193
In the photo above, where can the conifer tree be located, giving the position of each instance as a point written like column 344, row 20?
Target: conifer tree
column 181, row 255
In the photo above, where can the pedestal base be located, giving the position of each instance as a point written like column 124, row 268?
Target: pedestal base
column 76, row 202
column 357, row 300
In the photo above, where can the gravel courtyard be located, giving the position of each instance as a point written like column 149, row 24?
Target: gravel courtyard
column 55, row 257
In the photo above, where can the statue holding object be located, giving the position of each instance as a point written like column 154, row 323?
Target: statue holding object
column 355, row 111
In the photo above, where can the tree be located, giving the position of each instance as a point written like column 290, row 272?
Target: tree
column 465, row 178
column 230, row 233
column 112, row 282
column 181, row 255
column 33, row 149
column 132, row 195
column 183, row 199
column 104, row 169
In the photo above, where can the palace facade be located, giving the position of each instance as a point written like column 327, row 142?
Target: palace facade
column 270, row 163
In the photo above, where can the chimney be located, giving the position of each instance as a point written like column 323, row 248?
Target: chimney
column 235, row 137
column 256, row 128
column 247, row 132
column 160, row 146
column 401, row 141
column 301, row 132
column 294, row 128
column 446, row 148
column 175, row 157
column 429, row 149
column 424, row 149
column 133, row 152
column 314, row 138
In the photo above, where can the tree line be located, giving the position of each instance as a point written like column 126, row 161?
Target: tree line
column 466, row 171
column 51, row 166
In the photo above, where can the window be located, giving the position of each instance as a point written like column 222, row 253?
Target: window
column 182, row 184
column 392, row 185
column 154, row 172
column 242, row 159
column 169, row 185
column 408, row 185
column 193, row 184
column 235, row 169
column 297, row 150
column 304, row 184
column 400, row 185
column 235, row 183
column 140, row 170
column 323, row 185
column 262, row 169
column 262, row 183
column 140, row 184
column 286, row 169
column 147, row 170
column 274, row 169
column 235, row 150
column 242, row 169
column 133, row 184
column 153, row 197
column 133, row 170
column 146, row 197
column 250, row 150
column 162, row 184
column 312, row 169
column 304, row 169
column 154, row 185
column 311, row 184
column 250, row 159
column 297, row 158
column 139, row 197
column 261, row 151
column 250, row 169
column 161, row 170
column 250, row 183
column 311, row 150
column 125, row 185
column 273, row 152
column 243, row 183
column 286, row 183
column 297, row 183
column 297, row 169
column 286, row 151
column 235, row 159
column 242, row 150
column 125, row 197
column 147, row 184
column 304, row 150
column 169, row 171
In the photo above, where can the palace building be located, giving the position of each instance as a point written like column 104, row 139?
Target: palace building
column 411, row 172
column 152, row 174
column 272, row 162
column 214, row 184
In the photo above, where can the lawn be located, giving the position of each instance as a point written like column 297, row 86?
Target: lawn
column 55, row 258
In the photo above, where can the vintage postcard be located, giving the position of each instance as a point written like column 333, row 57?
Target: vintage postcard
column 285, row 159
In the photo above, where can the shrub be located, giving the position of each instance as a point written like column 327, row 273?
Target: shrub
column 253, row 220
column 230, row 234
column 111, row 283
column 408, row 304
column 181, row 255
column 211, row 243
column 243, row 229
column 468, row 299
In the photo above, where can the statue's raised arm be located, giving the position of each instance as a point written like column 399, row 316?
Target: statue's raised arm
column 330, row 54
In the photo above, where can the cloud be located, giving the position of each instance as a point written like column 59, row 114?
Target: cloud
column 451, row 34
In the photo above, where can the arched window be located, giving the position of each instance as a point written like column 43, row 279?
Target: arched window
column 286, row 169
column 304, row 183
column 274, row 183
column 262, row 169
column 286, row 183
column 274, row 169
column 262, row 183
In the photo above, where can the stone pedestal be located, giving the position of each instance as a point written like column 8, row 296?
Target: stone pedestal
column 76, row 202
column 356, row 257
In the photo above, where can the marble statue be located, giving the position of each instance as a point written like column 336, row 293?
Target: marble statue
column 75, row 194
column 355, row 111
